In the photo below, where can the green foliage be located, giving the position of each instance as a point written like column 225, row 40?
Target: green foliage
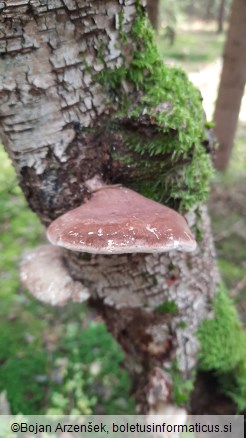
column 22, row 376
column 71, row 397
column 182, row 388
column 223, row 348
column 182, row 324
column 210, row 124
column 80, row 375
column 103, row 381
column 167, row 307
column 172, row 162
column 234, row 385
column 223, row 341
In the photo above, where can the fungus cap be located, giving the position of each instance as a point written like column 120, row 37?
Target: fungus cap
column 117, row 220
column 44, row 274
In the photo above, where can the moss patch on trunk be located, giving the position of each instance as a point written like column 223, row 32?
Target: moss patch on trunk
column 158, row 116
column 223, row 348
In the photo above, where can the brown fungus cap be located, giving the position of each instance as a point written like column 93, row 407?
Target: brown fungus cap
column 117, row 220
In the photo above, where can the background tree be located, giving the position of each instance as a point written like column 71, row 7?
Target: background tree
column 153, row 12
column 84, row 94
column 209, row 8
column 232, row 84
column 221, row 16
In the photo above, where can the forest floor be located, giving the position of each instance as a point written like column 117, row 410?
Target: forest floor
column 64, row 360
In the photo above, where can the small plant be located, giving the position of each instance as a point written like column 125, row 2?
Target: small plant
column 91, row 377
column 182, row 387
column 167, row 307
column 71, row 398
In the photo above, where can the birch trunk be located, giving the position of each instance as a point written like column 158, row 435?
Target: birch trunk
column 53, row 113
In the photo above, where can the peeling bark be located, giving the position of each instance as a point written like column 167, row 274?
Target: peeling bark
column 52, row 123
column 50, row 54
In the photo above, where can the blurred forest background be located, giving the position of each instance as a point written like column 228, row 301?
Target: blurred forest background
column 63, row 360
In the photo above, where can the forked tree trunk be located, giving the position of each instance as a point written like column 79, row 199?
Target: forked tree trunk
column 55, row 125
column 232, row 84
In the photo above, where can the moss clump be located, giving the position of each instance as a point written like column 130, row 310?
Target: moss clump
column 167, row 307
column 234, row 385
column 160, row 115
column 18, row 375
column 182, row 388
column 223, row 348
column 223, row 341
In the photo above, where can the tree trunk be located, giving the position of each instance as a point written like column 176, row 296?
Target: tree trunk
column 232, row 84
column 62, row 123
column 153, row 12
column 221, row 16
column 210, row 5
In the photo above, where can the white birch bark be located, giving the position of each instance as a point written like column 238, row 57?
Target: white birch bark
column 49, row 97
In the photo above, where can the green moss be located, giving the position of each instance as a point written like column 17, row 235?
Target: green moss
column 170, row 163
column 123, row 36
column 223, row 341
column 210, row 124
column 234, row 385
column 223, row 348
column 20, row 376
column 182, row 388
column 167, row 307
column 182, row 325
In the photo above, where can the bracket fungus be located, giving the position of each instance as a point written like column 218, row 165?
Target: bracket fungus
column 117, row 220
column 44, row 274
